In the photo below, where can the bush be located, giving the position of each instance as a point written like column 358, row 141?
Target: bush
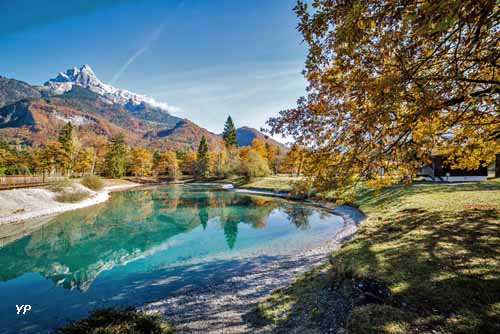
column 118, row 321
column 71, row 197
column 93, row 182
column 60, row 186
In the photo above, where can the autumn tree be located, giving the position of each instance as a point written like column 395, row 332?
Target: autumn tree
column 229, row 134
column 391, row 82
column 140, row 161
column 243, row 153
column 219, row 163
column 167, row 164
column 100, row 147
column 188, row 163
column 202, row 161
column 85, row 161
column 116, row 157
column 6, row 159
column 255, row 165
column 52, row 158
column 294, row 160
column 259, row 146
column 275, row 156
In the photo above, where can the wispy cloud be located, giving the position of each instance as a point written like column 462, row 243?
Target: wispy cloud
column 147, row 44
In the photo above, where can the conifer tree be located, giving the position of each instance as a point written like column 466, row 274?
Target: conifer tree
column 70, row 143
column 203, row 160
column 116, row 158
column 229, row 134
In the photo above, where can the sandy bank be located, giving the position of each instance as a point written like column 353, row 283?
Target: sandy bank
column 26, row 203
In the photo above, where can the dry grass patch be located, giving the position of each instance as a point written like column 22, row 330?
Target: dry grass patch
column 72, row 196
column 93, row 182
column 60, row 186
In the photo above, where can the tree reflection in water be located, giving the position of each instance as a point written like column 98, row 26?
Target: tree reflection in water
column 74, row 248
column 298, row 214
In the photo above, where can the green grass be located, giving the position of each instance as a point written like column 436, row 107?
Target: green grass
column 427, row 258
column 118, row 321
column 280, row 183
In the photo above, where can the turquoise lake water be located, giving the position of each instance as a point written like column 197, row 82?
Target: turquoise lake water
column 142, row 245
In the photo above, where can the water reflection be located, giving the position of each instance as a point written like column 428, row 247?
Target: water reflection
column 73, row 248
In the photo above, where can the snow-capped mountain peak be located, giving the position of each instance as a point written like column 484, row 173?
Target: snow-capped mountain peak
column 85, row 77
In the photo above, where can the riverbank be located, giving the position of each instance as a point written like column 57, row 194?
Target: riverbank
column 227, row 306
column 424, row 261
column 27, row 203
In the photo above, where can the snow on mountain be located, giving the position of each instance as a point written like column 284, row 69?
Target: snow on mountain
column 85, row 77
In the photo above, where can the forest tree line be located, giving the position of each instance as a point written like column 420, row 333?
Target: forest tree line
column 113, row 157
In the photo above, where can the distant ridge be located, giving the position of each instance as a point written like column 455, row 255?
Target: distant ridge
column 245, row 135
column 34, row 114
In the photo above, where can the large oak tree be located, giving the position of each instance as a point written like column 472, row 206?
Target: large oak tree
column 392, row 82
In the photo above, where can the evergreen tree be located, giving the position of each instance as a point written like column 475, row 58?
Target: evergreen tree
column 229, row 134
column 116, row 158
column 156, row 161
column 70, row 144
column 203, row 160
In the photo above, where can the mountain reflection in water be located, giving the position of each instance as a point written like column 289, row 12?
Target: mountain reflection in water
column 72, row 249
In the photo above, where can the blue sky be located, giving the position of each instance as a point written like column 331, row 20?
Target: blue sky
column 209, row 58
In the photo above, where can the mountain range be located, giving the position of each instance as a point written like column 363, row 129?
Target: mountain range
column 34, row 114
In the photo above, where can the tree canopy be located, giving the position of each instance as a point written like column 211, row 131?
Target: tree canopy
column 392, row 82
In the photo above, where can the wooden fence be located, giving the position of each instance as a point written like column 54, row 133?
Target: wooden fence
column 22, row 181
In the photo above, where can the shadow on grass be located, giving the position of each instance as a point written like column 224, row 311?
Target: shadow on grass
column 394, row 193
column 416, row 272
column 443, row 268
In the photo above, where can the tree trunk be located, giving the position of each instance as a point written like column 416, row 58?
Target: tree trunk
column 300, row 167
column 497, row 165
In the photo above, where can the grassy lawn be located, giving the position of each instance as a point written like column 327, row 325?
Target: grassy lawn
column 274, row 182
column 427, row 258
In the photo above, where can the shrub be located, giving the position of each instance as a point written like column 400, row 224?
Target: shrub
column 93, row 182
column 60, row 186
column 118, row 321
column 71, row 197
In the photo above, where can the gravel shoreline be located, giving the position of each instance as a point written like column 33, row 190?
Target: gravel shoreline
column 224, row 307
column 28, row 203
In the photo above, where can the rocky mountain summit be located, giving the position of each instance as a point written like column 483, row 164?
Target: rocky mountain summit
column 33, row 115
column 86, row 78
